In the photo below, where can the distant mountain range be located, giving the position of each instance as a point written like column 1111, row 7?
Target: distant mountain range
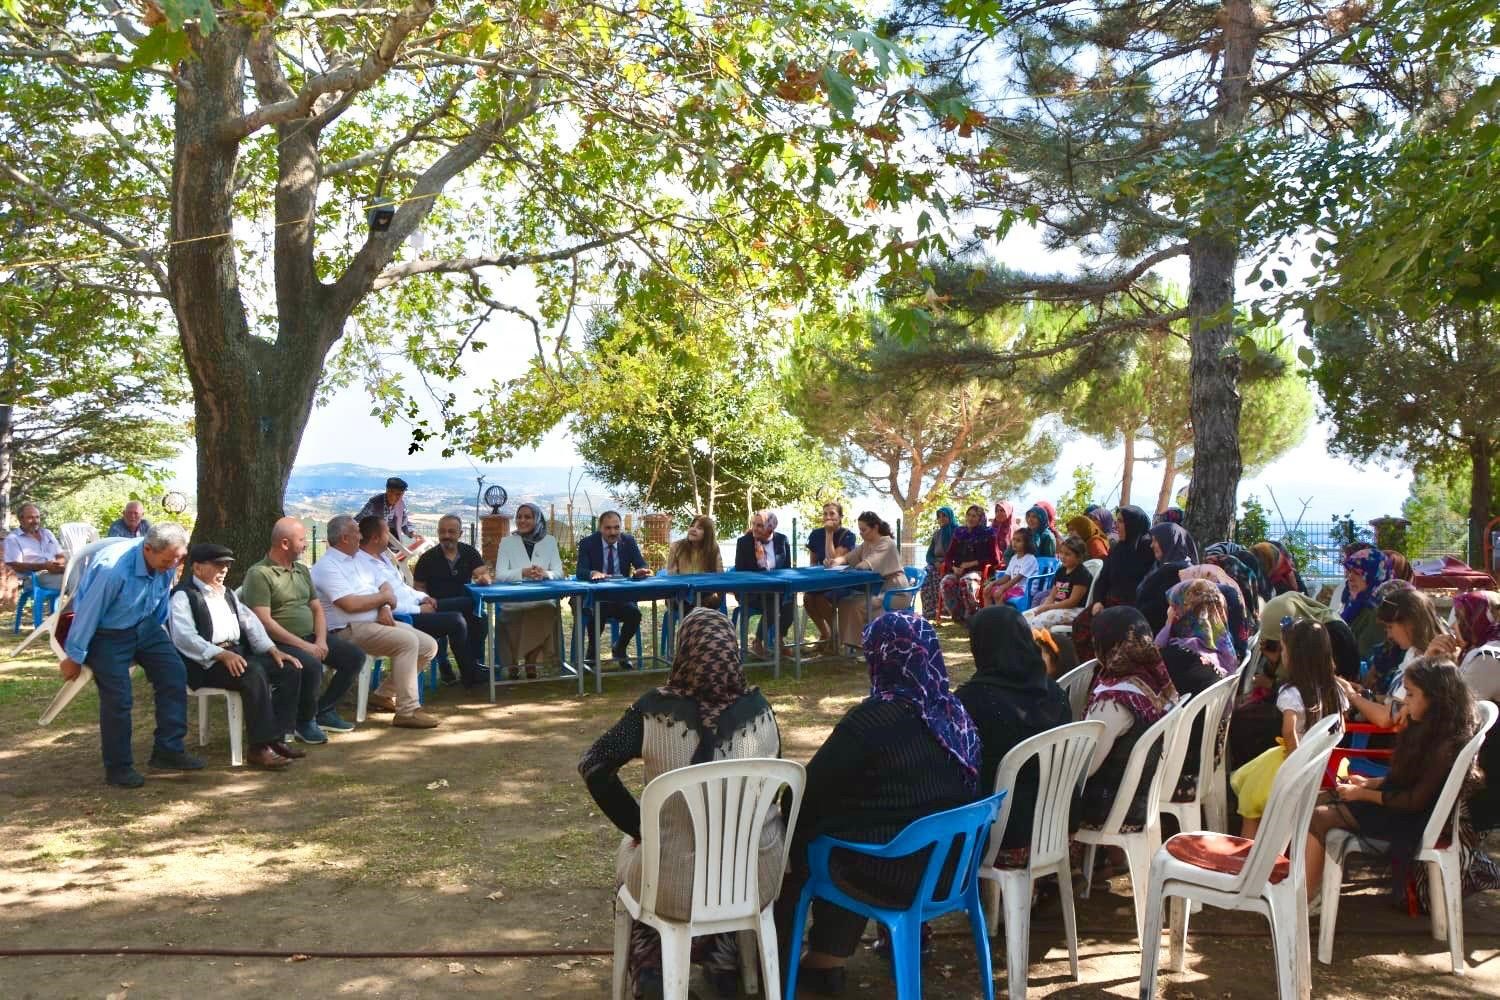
column 343, row 486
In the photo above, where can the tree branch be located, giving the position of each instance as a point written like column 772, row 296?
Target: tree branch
column 452, row 265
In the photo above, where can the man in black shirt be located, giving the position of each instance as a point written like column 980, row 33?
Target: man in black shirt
column 442, row 573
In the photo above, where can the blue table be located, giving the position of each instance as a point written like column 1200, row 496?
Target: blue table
column 626, row 590
column 817, row 579
column 487, row 602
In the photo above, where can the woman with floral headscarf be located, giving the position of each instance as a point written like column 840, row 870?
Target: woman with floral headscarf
column 1278, row 568
column 1198, row 623
column 529, row 553
column 1364, row 570
column 705, row 712
column 937, row 550
column 906, row 751
column 1043, row 535
column 971, row 554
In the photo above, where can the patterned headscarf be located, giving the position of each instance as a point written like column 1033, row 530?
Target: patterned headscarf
column 1478, row 615
column 706, row 665
column 1244, row 566
column 1131, row 672
column 538, row 530
column 1202, row 623
column 1104, row 519
column 1172, row 515
column 1004, row 523
column 906, row 664
column 1375, row 565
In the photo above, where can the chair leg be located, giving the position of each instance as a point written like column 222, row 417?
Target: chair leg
column 1016, row 893
column 906, row 952
column 235, row 709
column 1453, row 904
column 676, row 960
column 363, row 703
column 1070, row 918
column 1138, row 854
column 749, row 962
column 770, row 961
column 1088, row 869
column 989, row 894
column 622, row 950
column 1282, row 911
column 1333, row 880
column 1178, row 912
column 1151, row 946
column 1436, row 898
column 203, row 720
column 981, row 934
column 794, row 944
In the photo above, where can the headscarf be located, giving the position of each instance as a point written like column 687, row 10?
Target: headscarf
column 1244, row 566
column 906, row 664
column 1172, row 515
column 942, row 538
column 1202, row 623
column 706, row 668
column 538, row 530
column 1044, row 540
column 1101, row 516
column 1294, row 606
column 1177, row 547
column 1004, row 523
column 1135, row 525
column 1477, row 613
column 1129, row 559
column 974, row 543
column 1084, row 527
column 1209, row 571
column 1376, row 567
column 1007, row 658
column 1277, row 566
column 1131, row 672
column 1050, row 509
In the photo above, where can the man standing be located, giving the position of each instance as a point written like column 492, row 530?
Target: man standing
column 131, row 523
column 443, row 572
column 609, row 552
column 760, row 550
column 279, row 590
column 357, row 603
column 445, row 627
column 390, row 507
column 31, row 548
column 119, row 610
column 224, row 646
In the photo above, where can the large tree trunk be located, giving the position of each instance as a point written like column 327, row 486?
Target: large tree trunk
column 1127, row 478
column 7, row 466
column 1481, row 448
column 1212, row 255
column 1168, row 477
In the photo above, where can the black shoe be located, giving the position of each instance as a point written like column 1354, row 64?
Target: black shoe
column 124, row 777
column 175, row 760
column 824, row 982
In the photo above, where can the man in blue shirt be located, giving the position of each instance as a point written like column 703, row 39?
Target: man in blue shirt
column 131, row 523
column 607, row 553
column 119, row 616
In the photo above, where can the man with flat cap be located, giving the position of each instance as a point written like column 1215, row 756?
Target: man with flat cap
column 225, row 646
column 390, row 507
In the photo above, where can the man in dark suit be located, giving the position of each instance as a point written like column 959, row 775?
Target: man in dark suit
column 609, row 552
column 760, row 550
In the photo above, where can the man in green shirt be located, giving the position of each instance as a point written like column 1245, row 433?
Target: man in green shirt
column 279, row 589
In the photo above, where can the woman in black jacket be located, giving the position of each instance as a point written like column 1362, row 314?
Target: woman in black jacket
column 1127, row 564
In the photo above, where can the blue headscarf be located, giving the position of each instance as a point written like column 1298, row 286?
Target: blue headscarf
column 906, row 664
column 942, row 538
column 1042, row 541
column 1376, row 567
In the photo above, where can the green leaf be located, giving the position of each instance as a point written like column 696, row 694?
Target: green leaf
column 163, row 46
column 840, row 91
column 1306, row 356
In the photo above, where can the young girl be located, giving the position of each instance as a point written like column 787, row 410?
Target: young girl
column 1069, row 590
column 1310, row 695
column 1021, row 567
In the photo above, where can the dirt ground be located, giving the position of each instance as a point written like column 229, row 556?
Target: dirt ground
column 478, row 836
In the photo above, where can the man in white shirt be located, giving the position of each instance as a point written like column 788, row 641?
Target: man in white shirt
column 224, row 645
column 374, row 555
column 359, row 605
column 31, row 548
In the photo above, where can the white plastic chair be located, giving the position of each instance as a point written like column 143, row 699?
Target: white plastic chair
column 80, row 561
column 1247, row 874
column 1209, row 807
column 728, row 801
column 362, row 702
column 1062, row 756
column 74, row 535
column 1093, row 566
column 1439, row 849
column 1077, row 683
column 1141, row 845
column 234, row 706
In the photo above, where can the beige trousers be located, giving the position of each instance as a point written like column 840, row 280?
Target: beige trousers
column 408, row 651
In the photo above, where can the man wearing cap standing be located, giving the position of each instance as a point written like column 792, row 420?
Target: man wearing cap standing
column 225, row 646
column 390, row 507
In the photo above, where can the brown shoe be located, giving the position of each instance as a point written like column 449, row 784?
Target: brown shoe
column 380, row 703
column 288, row 751
column 416, row 720
column 266, row 758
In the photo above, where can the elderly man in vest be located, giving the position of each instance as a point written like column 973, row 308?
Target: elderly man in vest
column 225, row 646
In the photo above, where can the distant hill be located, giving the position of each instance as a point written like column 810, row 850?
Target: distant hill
column 344, row 486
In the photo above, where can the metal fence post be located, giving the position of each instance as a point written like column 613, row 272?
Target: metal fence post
column 315, row 543
column 794, row 543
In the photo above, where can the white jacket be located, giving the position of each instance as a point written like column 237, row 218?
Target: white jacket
column 511, row 559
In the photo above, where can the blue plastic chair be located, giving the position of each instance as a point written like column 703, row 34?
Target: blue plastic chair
column 614, row 638
column 425, row 682
column 1040, row 582
column 43, row 602
column 915, row 577
column 968, row 828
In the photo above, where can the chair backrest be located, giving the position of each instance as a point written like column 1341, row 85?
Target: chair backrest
column 72, row 576
column 1093, row 566
column 728, row 801
column 1078, row 682
column 959, row 833
column 1209, row 705
column 1062, row 756
column 75, row 535
column 915, row 575
column 1042, row 580
column 1294, row 792
column 1444, row 810
column 1152, row 744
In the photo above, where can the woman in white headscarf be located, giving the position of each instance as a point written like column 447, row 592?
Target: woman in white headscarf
column 529, row 553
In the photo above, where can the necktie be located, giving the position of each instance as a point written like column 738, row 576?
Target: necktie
column 609, row 562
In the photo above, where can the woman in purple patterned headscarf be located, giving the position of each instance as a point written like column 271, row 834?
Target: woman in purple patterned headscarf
column 906, row 664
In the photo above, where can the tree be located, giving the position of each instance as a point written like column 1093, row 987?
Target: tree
column 850, row 381
column 238, row 153
column 1438, row 507
column 1416, row 391
column 1126, row 132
